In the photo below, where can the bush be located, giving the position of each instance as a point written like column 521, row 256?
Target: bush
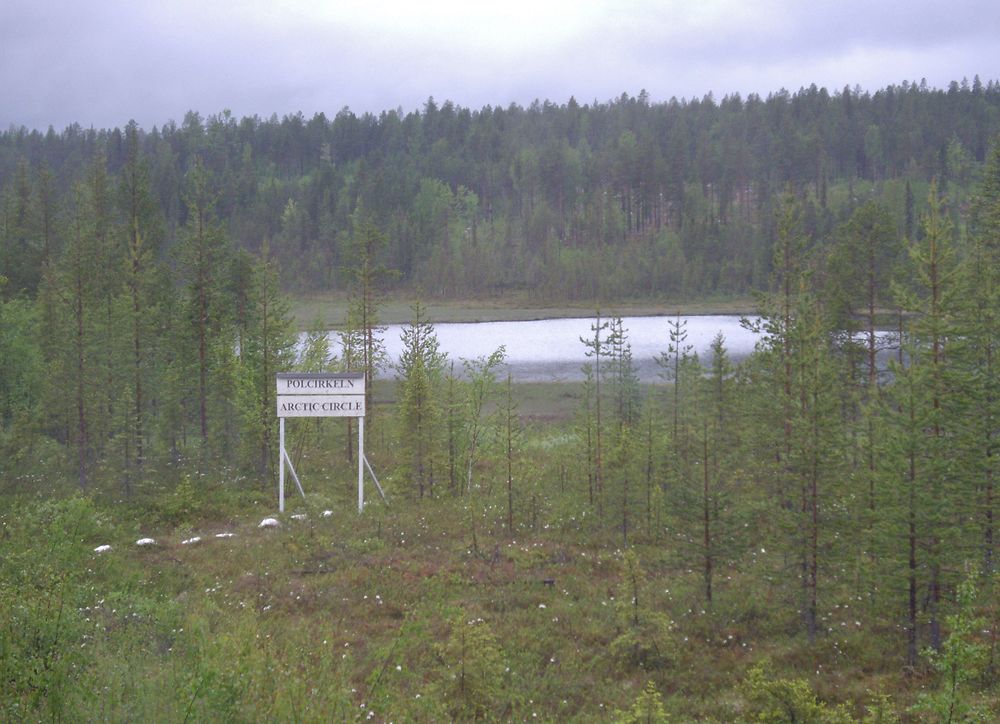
column 43, row 571
column 647, row 708
column 775, row 701
column 961, row 659
column 646, row 638
column 472, row 669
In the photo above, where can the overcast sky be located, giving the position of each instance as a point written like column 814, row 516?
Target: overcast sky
column 104, row 62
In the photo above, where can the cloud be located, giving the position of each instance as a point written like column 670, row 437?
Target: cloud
column 102, row 63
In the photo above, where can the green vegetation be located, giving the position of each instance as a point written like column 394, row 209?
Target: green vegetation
column 808, row 535
column 332, row 309
column 606, row 201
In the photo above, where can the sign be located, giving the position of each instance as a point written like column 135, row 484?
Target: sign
column 321, row 383
column 321, row 394
column 321, row 405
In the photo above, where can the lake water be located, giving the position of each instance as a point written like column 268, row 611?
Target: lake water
column 550, row 350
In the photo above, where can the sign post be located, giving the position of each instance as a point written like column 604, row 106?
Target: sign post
column 321, row 394
column 361, row 463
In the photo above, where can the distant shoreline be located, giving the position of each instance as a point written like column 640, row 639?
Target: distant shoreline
column 330, row 309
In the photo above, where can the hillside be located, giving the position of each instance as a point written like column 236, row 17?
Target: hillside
column 610, row 200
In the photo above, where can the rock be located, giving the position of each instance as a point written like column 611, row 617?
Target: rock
column 269, row 523
column 189, row 541
column 299, row 516
column 327, row 513
column 145, row 542
column 102, row 549
column 224, row 535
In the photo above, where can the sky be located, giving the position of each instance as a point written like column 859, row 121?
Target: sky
column 102, row 63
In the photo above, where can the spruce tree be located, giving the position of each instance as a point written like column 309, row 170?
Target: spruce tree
column 596, row 348
column 920, row 430
column 203, row 247
column 142, row 239
column 270, row 348
column 421, row 380
column 977, row 348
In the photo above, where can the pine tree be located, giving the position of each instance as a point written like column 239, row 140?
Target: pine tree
column 678, row 350
column 625, row 393
column 976, row 355
column 314, row 356
column 270, row 345
column 141, row 233
column 816, row 449
column 21, row 379
column 512, row 437
column 481, row 389
column 19, row 248
column 624, row 380
column 585, row 430
column 79, row 273
column 110, row 249
column 597, row 347
column 421, row 368
column 714, row 399
column 860, row 268
column 368, row 273
column 202, row 248
column 682, row 370
column 75, row 283
column 920, row 428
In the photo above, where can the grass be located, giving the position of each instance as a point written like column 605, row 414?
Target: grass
column 331, row 309
column 538, row 403
column 361, row 609
column 373, row 617
column 425, row 609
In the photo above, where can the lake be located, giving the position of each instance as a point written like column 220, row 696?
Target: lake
column 549, row 350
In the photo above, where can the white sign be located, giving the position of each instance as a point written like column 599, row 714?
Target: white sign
column 321, row 383
column 321, row 394
column 321, row 405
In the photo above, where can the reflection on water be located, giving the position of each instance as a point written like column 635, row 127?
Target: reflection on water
column 550, row 350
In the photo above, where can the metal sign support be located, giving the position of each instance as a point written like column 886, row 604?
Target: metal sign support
column 361, row 464
column 322, row 394
column 282, row 459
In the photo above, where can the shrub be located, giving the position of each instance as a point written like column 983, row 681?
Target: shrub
column 646, row 709
column 472, row 668
column 645, row 638
column 775, row 701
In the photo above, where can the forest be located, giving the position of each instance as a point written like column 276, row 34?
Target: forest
column 806, row 535
column 613, row 199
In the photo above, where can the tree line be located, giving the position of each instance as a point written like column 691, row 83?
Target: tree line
column 598, row 200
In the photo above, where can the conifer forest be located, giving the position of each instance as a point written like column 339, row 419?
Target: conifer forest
column 810, row 533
